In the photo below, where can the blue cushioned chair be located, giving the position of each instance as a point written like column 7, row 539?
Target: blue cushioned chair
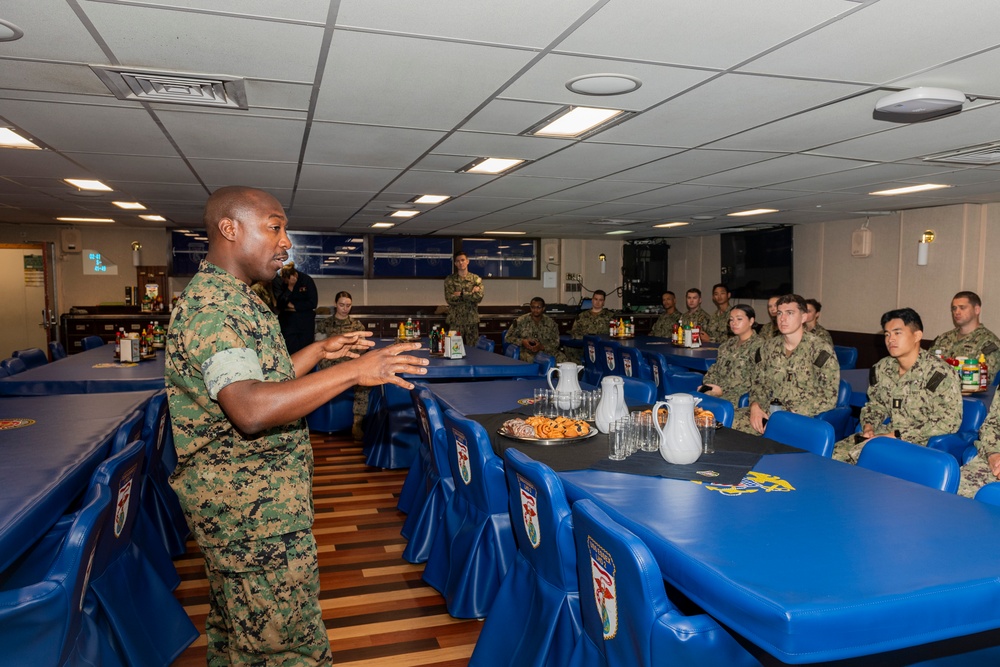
column 545, row 362
column 591, row 370
column 414, row 490
column 989, row 493
column 485, row 343
column 922, row 465
column 809, row 433
column 32, row 357
column 973, row 416
column 840, row 417
column 13, row 365
column 56, row 350
column 609, row 357
column 535, row 619
column 633, row 363
column 427, row 507
column 335, row 415
column 91, row 342
column 4, row 373
column 471, row 556
column 670, row 380
column 720, row 407
column 159, row 501
column 150, row 626
column 41, row 622
column 512, row 351
column 639, row 392
column 847, row 357
column 392, row 438
column 627, row 616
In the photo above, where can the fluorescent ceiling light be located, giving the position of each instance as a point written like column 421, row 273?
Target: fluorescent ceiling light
column 383, row 225
column 11, row 139
column 908, row 190
column 85, row 184
column 85, row 219
column 404, row 214
column 131, row 205
column 753, row 211
column 491, row 165
column 672, row 224
column 431, row 199
column 341, row 252
column 153, row 218
column 201, row 238
column 508, row 233
column 619, row 231
column 576, row 121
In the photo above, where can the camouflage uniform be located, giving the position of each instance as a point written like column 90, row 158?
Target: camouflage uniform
column 718, row 326
column 734, row 369
column 331, row 326
column 923, row 402
column 806, row 382
column 545, row 332
column 822, row 333
column 463, row 311
column 769, row 330
column 977, row 472
column 980, row 341
column 698, row 316
column 248, row 500
column 664, row 325
column 589, row 322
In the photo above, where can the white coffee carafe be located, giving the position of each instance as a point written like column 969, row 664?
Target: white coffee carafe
column 568, row 389
column 680, row 441
column 612, row 406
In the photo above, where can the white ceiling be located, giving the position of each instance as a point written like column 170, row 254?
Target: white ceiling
column 358, row 105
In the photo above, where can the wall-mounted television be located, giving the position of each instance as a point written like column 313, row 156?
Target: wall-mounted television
column 757, row 264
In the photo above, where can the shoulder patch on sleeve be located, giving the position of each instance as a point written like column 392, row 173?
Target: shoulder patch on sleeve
column 872, row 376
column 935, row 380
column 233, row 365
column 990, row 348
column 821, row 359
column 757, row 356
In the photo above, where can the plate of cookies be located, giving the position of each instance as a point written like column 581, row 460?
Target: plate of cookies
column 547, row 430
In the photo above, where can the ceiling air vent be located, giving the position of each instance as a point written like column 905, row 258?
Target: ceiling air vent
column 613, row 222
column 979, row 155
column 174, row 88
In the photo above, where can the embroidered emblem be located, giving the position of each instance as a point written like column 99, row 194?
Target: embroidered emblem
column 609, row 356
column 86, row 576
column 121, row 505
column 602, row 569
column 592, row 353
column 529, row 511
column 627, row 365
column 707, row 473
column 462, row 452
column 14, row 422
column 656, row 374
column 525, row 401
column 752, row 483
column 897, row 403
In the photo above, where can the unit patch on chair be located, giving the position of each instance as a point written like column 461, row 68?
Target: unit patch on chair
column 752, row 482
column 602, row 569
column 609, row 356
column 121, row 505
column 627, row 365
column 529, row 511
column 656, row 374
column 592, row 352
column 7, row 424
column 462, row 452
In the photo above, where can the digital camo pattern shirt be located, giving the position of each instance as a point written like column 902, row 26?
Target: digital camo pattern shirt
column 544, row 331
column 463, row 310
column 592, row 323
column 823, row 333
column 977, row 472
column 980, row 341
column 734, row 369
column 331, row 326
column 232, row 486
column 699, row 317
column 769, row 330
column 805, row 382
column 718, row 326
column 664, row 325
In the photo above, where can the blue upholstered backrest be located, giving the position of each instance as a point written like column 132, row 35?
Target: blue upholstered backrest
column 432, row 427
column 810, row 433
column 512, row 351
column 720, row 407
column 847, row 357
column 90, row 342
column 922, row 465
column 545, row 362
column 973, row 415
column 639, row 392
column 485, row 343
column 56, row 350
column 128, row 430
column 32, row 357
column 633, row 363
column 477, row 471
column 541, row 519
column 844, row 394
column 13, row 366
column 121, row 473
column 989, row 493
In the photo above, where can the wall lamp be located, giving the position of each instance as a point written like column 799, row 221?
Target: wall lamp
column 926, row 239
column 603, row 259
column 136, row 255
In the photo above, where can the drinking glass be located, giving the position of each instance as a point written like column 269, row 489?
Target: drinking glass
column 551, row 405
column 539, row 404
column 616, row 442
column 706, row 427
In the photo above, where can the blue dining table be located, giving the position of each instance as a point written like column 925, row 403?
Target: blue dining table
column 49, row 447
column 808, row 558
column 476, row 364
column 695, row 358
column 91, row 372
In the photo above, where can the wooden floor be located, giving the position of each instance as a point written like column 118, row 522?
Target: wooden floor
column 377, row 609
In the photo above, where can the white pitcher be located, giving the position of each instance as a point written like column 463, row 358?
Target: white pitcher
column 612, row 406
column 568, row 389
column 680, row 441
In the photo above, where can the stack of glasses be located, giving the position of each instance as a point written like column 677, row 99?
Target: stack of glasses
column 632, row 434
column 575, row 405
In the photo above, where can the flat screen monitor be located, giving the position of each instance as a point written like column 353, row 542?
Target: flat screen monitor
column 757, row 264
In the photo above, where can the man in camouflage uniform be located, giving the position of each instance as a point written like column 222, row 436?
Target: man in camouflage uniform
column 969, row 338
column 733, row 372
column 695, row 315
column 811, row 322
column 596, row 321
column 912, row 394
column 795, row 371
column 770, row 329
column 535, row 332
column 463, row 291
column 341, row 322
column 244, row 470
column 985, row 468
column 718, row 323
column 664, row 325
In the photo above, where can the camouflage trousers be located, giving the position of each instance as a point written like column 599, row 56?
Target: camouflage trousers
column 847, row 450
column 361, row 400
column 264, row 603
column 975, row 474
column 741, row 421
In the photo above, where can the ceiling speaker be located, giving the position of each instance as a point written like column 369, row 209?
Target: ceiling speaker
column 921, row 100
